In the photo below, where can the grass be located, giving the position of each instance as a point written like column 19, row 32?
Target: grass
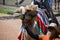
column 5, row 10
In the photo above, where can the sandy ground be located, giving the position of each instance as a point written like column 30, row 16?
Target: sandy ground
column 9, row 29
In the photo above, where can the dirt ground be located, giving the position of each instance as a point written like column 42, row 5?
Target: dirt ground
column 9, row 29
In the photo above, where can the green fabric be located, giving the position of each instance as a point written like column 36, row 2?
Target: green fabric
column 46, row 18
column 41, row 32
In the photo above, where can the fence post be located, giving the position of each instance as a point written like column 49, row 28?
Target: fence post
column 3, row 2
column 55, row 4
column 17, row 3
column 58, row 6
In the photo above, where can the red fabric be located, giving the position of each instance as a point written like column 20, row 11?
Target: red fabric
column 19, row 37
column 41, row 24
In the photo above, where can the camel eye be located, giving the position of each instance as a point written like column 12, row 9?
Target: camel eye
column 27, row 17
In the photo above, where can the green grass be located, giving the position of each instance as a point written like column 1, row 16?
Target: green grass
column 4, row 10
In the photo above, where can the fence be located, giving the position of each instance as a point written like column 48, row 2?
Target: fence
column 56, row 5
column 13, row 2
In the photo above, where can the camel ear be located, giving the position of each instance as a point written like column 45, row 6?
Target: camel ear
column 35, row 7
column 22, row 10
column 32, row 7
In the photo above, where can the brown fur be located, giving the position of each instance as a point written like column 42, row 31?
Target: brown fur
column 29, row 10
column 55, row 32
column 28, row 20
column 27, row 7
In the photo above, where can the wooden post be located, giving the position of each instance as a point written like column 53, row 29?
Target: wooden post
column 58, row 6
column 3, row 2
column 17, row 3
column 55, row 4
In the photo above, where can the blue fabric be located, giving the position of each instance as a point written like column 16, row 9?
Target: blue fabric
column 21, row 28
column 45, row 19
column 42, row 18
column 40, row 4
column 49, row 2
